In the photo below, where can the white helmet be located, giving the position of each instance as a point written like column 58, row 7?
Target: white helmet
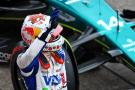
column 33, row 25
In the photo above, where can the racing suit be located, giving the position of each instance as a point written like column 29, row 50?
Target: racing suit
column 35, row 76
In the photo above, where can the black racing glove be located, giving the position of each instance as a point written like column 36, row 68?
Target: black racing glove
column 46, row 36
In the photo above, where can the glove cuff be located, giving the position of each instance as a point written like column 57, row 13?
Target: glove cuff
column 45, row 36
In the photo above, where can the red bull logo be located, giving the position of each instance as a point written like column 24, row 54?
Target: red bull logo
column 29, row 30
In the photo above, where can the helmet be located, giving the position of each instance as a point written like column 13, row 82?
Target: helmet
column 33, row 25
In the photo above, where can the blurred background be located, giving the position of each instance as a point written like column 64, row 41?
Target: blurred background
column 110, row 76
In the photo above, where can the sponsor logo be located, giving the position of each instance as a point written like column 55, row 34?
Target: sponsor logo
column 5, row 56
column 29, row 30
column 55, row 79
column 52, row 80
column 63, row 79
column 112, row 23
column 130, row 45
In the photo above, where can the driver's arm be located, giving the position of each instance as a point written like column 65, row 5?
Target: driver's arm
column 29, row 59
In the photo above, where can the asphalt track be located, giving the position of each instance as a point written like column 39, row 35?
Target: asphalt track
column 97, row 79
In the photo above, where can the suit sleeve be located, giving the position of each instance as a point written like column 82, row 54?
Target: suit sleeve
column 28, row 61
